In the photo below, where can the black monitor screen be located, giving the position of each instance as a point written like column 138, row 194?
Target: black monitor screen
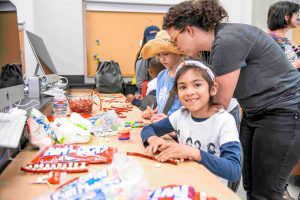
column 41, row 53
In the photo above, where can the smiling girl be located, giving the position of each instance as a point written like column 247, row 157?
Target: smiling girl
column 205, row 133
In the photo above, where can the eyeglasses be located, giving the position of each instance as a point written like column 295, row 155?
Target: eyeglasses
column 174, row 38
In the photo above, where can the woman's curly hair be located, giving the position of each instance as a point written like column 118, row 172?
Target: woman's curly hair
column 205, row 14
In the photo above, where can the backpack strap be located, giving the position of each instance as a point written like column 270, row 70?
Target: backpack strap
column 170, row 100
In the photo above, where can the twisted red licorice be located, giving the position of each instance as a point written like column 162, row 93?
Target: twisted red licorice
column 171, row 161
column 99, row 97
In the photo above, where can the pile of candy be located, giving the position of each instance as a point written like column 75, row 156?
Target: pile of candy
column 81, row 104
column 119, row 109
column 76, row 167
column 135, row 124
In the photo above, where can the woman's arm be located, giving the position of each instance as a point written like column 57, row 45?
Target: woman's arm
column 227, row 84
column 228, row 165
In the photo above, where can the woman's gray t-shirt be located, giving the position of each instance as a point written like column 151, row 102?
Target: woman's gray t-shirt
column 267, row 79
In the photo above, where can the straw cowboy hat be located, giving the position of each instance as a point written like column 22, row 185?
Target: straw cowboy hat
column 161, row 43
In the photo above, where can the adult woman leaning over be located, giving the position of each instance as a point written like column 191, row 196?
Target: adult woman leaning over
column 251, row 67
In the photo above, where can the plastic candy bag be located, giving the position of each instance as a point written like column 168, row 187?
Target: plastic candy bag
column 105, row 124
column 174, row 192
column 41, row 133
column 124, row 179
column 75, row 153
column 72, row 130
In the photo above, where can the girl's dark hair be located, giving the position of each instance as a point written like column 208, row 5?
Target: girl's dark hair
column 277, row 13
column 204, row 14
column 156, row 65
column 198, row 70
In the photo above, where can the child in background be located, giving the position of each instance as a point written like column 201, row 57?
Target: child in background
column 205, row 133
column 154, row 68
column 141, row 65
column 164, row 50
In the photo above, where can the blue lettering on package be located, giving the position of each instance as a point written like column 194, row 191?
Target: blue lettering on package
column 92, row 185
column 181, row 192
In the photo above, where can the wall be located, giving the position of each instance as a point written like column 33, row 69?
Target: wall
column 239, row 11
column 60, row 24
column 236, row 9
column 25, row 15
column 260, row 13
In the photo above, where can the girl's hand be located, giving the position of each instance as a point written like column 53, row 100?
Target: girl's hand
column 296, row 64
column 177, row 151
column 139, row 96
column 148, row 113
column 157, row 117
column 154, row 143
column 129, row 98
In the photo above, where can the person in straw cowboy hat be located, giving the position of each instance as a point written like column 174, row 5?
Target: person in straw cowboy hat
column 164, row 50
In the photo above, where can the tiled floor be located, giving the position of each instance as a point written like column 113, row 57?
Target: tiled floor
column 293, row 190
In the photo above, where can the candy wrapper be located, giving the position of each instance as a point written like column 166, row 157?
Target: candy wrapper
column 72, row 130
column 75, row 153
column 105, row 124
column 124, row 179
column 178, row 192
column 41, row 133
column 173, row 192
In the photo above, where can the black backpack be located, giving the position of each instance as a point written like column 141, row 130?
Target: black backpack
column 11, row 75
column 109, row 77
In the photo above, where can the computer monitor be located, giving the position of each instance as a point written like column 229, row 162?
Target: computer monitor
column 44, row 61
column 10, row 51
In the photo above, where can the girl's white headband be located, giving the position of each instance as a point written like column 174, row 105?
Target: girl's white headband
column 197, row 64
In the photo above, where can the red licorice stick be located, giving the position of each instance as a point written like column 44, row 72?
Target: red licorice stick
column 171, row 161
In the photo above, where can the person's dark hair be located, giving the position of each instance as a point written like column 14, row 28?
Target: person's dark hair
column 196, row 70
column 156, row 65
column 145, row 40
column 143, row 43
column 277, row 13
column 204, row 14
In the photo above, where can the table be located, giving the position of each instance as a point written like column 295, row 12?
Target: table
column 15, row 184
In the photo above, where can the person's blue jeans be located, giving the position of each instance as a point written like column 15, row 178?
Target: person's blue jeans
column 271, row 146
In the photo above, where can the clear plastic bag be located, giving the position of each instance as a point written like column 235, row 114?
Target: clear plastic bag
column 41, row 133
column 72, row 130
column 105, row 124
column 124, row 179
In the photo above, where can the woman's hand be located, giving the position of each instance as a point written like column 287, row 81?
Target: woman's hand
column 177, row 151
column 154, row 143
column 148, row 113
column 157, row 117
column 129, row 98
